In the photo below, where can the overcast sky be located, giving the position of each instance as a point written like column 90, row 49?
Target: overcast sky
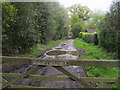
column 102, row 5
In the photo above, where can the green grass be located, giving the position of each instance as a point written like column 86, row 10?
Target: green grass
column 97, row 53
column 36, row 50
column 93, row 52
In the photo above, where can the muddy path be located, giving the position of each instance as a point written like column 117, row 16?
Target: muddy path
column 66, row 47
column 65, row 50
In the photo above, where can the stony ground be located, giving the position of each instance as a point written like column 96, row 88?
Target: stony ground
column 78, row 71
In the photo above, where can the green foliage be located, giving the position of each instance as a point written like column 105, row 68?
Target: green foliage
column 92, row 51
column 97, row 53
column 62, row 21
column 8, row 14
column 109, row 29
column 94, row 21
column 37, row 49
column 8, row 18
column 80, row 34
column 89, row 37
column 27, row 23
column 79, row 14
column 76, row 29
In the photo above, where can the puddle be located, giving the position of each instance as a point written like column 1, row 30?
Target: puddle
column 63, row 44
column 58, row 48
column 57, row 52
column 74, row 66
column 73, row 53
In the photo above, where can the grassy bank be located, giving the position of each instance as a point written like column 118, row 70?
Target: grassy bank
column 36, row 50
column 96, row 52
column 93, row 51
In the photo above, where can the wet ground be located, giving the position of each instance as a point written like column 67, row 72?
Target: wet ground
column 65, row 50
column 66, row 46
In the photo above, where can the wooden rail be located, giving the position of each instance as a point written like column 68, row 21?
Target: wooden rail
column 61, row 78
column 56, row 63
column 59, row 62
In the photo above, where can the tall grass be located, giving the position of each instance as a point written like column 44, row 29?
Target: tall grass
column 93, row 51
column 36, row 50
column 98, row 53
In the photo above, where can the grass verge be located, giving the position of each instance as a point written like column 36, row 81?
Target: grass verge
column 36, row 50
column 96, row 52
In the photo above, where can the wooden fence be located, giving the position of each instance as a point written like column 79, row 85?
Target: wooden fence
column 58, row 64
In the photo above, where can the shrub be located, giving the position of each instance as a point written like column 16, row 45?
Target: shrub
column 89, row 37
column 76, row 28
column 80, row 34
column 109, row 29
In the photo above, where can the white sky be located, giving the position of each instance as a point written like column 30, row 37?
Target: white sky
column 102, row 5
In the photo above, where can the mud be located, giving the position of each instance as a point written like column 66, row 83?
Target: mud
column 65, row 46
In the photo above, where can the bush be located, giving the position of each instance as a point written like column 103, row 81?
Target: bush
column 76, row 29
column 80, row 34
column 25, row 24
column 89, row 37
column 109, row 30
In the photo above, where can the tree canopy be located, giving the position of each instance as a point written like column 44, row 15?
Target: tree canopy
column 109, row 30
column 79, row 14
column 27, row 23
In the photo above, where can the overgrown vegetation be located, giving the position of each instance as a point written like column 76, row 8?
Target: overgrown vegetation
column 107, row 25
column 76, row 29
column 36, row 50
column 83, row 18
column 79, row 15
column 89, row 37
column 31, row 26
column 26, row 24
column 109, row 30
column 97, row 53
column 93, row 52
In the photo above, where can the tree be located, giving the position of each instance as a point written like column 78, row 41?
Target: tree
column 110, row 28
column 27, row 23
column 82, row 12
column 76, row 29
column 79, row 14
column 52, row 21
column 8, row 14
column 8, row 18
column 24, row 28
column 63, row 23
column 94, row 21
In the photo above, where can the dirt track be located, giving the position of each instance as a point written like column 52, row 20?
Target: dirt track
column 50, row 71
column 78, row 71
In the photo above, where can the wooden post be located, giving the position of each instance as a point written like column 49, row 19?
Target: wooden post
column 7, row 84
column 73, row 77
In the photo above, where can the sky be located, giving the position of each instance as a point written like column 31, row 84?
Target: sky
column 102, row 5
